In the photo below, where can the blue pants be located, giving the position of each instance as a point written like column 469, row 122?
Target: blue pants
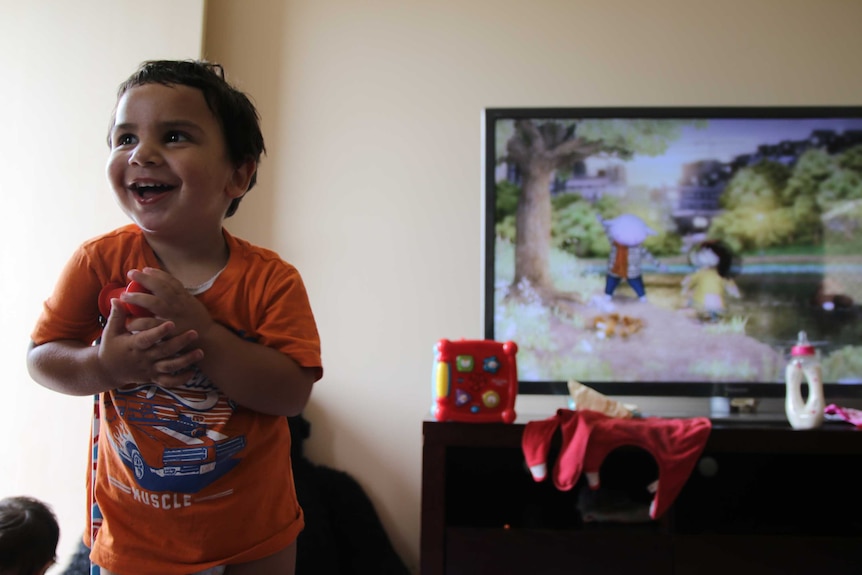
column 637, row 284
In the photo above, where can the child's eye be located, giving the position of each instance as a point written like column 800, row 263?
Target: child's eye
column 124, row 140
column 174, row 137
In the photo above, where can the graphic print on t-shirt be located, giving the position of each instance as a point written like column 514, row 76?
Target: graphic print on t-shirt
column 171, row 439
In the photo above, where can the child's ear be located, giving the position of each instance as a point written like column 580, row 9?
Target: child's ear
column 241, row 178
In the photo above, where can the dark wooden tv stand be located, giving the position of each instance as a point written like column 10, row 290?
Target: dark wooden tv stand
column 765, row 499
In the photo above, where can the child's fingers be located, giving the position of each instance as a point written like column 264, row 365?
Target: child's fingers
column 116, row 322
column 177, row 370
column 138, row 324
column 152, row 337
column 175, row 346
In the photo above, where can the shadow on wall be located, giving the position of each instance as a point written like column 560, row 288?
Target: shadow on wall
column 235, row 36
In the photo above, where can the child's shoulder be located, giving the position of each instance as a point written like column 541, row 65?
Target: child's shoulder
column 254, row 253
column 129, row 233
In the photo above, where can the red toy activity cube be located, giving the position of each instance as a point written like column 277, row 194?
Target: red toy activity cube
column 475, row 380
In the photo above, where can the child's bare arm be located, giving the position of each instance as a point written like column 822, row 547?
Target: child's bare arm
column 253, row 375
column 122, row 358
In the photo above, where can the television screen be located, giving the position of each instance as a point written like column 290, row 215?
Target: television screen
column 674, row 251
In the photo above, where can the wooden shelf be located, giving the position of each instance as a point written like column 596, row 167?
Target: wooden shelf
column 775, row 500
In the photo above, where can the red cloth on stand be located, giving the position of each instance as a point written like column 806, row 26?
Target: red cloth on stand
column 589, row 436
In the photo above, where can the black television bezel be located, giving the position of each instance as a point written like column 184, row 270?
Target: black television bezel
column 832, row 391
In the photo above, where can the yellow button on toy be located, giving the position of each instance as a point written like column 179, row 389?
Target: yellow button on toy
column 491, row 399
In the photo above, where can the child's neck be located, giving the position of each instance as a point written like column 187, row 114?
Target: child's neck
column 192, row 264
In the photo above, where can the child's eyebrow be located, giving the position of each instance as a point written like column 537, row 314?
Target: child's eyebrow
column 180, row 125
column 167, row 125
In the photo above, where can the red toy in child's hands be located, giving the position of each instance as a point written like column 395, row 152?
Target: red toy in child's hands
column 114, row 290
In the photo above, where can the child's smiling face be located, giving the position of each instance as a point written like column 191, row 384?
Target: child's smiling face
column 169, row 166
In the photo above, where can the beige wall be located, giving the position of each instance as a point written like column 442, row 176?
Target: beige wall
column 372, row 184
column 60, row 65
column 371, row 187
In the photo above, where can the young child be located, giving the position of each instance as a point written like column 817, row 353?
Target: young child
column 28, row 536
column 704, row 289
column 193, row 470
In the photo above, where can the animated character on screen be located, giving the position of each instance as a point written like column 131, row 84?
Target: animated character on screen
column 626, row 234
column 706, row 287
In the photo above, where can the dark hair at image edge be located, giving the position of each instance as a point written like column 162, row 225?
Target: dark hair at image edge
column 235, row 112
column 29, row 533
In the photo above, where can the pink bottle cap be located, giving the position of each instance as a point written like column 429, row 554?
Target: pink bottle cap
column 802, row 346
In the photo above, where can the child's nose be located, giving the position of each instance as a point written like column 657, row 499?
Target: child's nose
column 145, row 154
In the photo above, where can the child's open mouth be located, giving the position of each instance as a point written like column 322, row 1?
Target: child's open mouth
column 149, row 192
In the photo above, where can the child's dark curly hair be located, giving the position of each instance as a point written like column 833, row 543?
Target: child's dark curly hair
column 235, row 112
column 29, row 533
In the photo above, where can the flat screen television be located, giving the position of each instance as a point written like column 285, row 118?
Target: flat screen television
column 674, row 251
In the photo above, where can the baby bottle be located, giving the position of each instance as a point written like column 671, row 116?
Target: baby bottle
column 803, row 364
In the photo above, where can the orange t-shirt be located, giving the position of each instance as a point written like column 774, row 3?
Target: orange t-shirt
column 186, row 479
